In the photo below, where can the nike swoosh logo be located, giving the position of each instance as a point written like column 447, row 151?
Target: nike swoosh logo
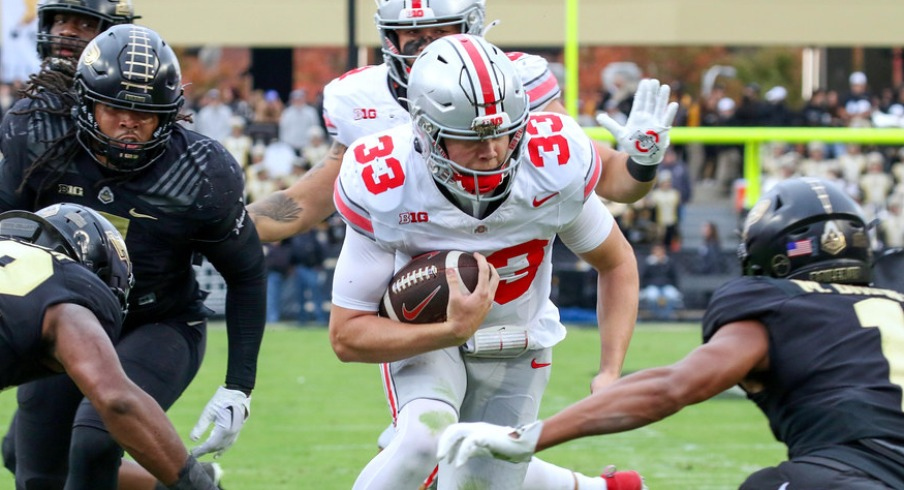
column 537, row 365
column 414, row 312
column 539, row 202
column 136, row 214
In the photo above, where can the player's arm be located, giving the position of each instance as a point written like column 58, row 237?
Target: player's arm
column 636, row 400
column 617, row 284
column 644, row 139
column 300, row 207
column 81, row 346
column 357, row 334
column 647, row 396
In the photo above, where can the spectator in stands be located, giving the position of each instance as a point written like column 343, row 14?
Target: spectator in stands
column 317, row 147
column 296, row 121
column 777, row 112
column 816, row 111
column 876, row 184
column 666, row 201
column 787, row 168
column 752, row 110
column 237, row 143
column 259, row 185
column 891, row 227
column 709, row 255
column 680, row 175
column 308, row 254
column 269, row 108
column 728, row 161
column 214, row 118
column 277, row 256
column 817, row 163
column 852, row 162
column 659, row 284
column 856, row 104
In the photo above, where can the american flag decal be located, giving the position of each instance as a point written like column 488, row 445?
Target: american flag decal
column 800, row 247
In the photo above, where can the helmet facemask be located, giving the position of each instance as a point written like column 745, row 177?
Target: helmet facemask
column 109, row 74
column 106, row 12
column 395, row 15
column 464, row 88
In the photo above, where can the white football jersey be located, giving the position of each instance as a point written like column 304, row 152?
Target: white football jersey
column 386, row 192
column 360, row 102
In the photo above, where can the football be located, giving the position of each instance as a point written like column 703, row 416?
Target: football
column 419, row 293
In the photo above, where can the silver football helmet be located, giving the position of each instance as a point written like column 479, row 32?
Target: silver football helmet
column 393, row 15
column 464, row 88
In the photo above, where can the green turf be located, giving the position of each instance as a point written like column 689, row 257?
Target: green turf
column 315, row 421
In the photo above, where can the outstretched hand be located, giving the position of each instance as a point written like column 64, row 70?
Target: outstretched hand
column 463, row 441
column 645, row 135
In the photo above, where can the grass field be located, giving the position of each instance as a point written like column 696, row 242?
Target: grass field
column 315, row 421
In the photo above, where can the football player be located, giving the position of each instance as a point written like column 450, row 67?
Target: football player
column 816, row 348
column 112, row 144
column 66, row 275
column 373, row 98
column 484, row 175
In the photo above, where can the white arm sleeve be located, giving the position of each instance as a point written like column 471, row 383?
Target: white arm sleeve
column 590, row 228
column 358, row 282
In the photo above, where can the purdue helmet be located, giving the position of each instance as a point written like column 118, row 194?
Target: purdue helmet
column 127, row 67
column 394, row 15
column 464, row 88
column 107, row 12
column 81, row 234
column 809, row 229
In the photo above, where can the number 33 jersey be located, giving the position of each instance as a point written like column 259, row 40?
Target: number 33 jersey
column 386, row 192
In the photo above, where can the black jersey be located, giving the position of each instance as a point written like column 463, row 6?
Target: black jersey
column 189, row 200
column 836, row 364
column 33, row 279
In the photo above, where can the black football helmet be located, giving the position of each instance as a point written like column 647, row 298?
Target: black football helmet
column 806, row 228
column 80, row 233
column 107, row 12
column 127, row 67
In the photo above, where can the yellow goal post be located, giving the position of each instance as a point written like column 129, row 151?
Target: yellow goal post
column 752, row 138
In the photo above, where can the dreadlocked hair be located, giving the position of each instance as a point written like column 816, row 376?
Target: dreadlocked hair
column 53, row 82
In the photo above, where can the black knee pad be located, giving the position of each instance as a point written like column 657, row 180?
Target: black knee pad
column 8, row 451
column 94, row 457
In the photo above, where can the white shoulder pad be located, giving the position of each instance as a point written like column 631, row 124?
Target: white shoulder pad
column 540, row 83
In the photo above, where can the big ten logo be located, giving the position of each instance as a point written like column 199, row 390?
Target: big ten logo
column 413, row 217
column 365, row 114
column 416, row 13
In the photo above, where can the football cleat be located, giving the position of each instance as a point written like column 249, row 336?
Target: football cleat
column 214, row 471
column 622, row 480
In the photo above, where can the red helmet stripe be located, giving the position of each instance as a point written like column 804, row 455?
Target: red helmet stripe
column 482, row 67
column 416, row 4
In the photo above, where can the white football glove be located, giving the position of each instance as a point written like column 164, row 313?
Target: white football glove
column 463, row 441
column 227, row 410
column 645, row 135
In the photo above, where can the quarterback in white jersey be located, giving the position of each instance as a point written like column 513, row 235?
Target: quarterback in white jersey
column 473, row 171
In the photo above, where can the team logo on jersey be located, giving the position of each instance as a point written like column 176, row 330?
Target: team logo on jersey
column 70, row 190
column 364, row 113
column 413, row 217
column 105, row 195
